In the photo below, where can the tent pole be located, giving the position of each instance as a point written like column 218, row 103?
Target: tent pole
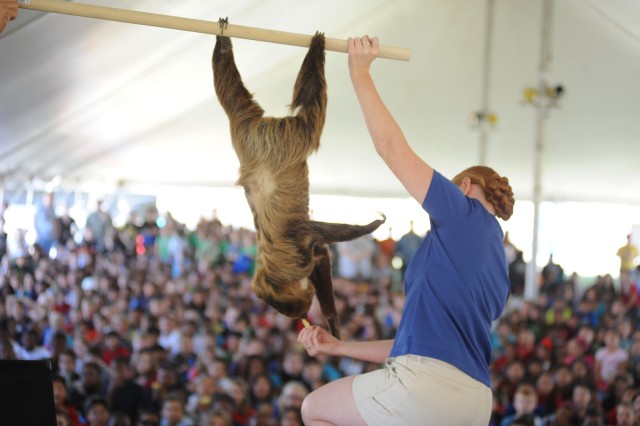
column 532, row 275
column 485, row 125
column 30, row 190
column 199, row 26
column 3, row 182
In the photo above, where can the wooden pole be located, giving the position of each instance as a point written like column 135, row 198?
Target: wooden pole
column 198, row 26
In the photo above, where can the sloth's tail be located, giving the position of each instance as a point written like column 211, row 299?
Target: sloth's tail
column 327, row 232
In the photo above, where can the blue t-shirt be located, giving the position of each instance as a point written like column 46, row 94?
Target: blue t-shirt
column 456, row 285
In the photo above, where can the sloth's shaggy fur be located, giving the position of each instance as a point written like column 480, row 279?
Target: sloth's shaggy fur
column 293, row 261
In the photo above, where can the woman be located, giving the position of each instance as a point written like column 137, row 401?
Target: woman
column 437, row 367
column 8, row 12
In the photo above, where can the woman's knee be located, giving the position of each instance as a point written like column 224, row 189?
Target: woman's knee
column 312, row 409
column 307, row 409
column 331, row 404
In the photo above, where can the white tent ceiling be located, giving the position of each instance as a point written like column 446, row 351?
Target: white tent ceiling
column 92, row 100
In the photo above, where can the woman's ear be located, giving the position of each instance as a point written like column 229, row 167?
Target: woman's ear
column 465, row 185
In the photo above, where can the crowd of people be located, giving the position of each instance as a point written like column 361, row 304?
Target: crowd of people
column 159, row 325
column 149, row 324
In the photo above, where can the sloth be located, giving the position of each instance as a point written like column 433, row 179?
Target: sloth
column 293, row 259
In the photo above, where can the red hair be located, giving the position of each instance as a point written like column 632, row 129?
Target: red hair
column 496, row 188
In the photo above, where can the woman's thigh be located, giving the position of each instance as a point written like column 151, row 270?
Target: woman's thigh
column 333, row 404
column 415, row 390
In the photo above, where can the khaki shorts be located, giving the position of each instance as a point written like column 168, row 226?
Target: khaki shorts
column 415, row 390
